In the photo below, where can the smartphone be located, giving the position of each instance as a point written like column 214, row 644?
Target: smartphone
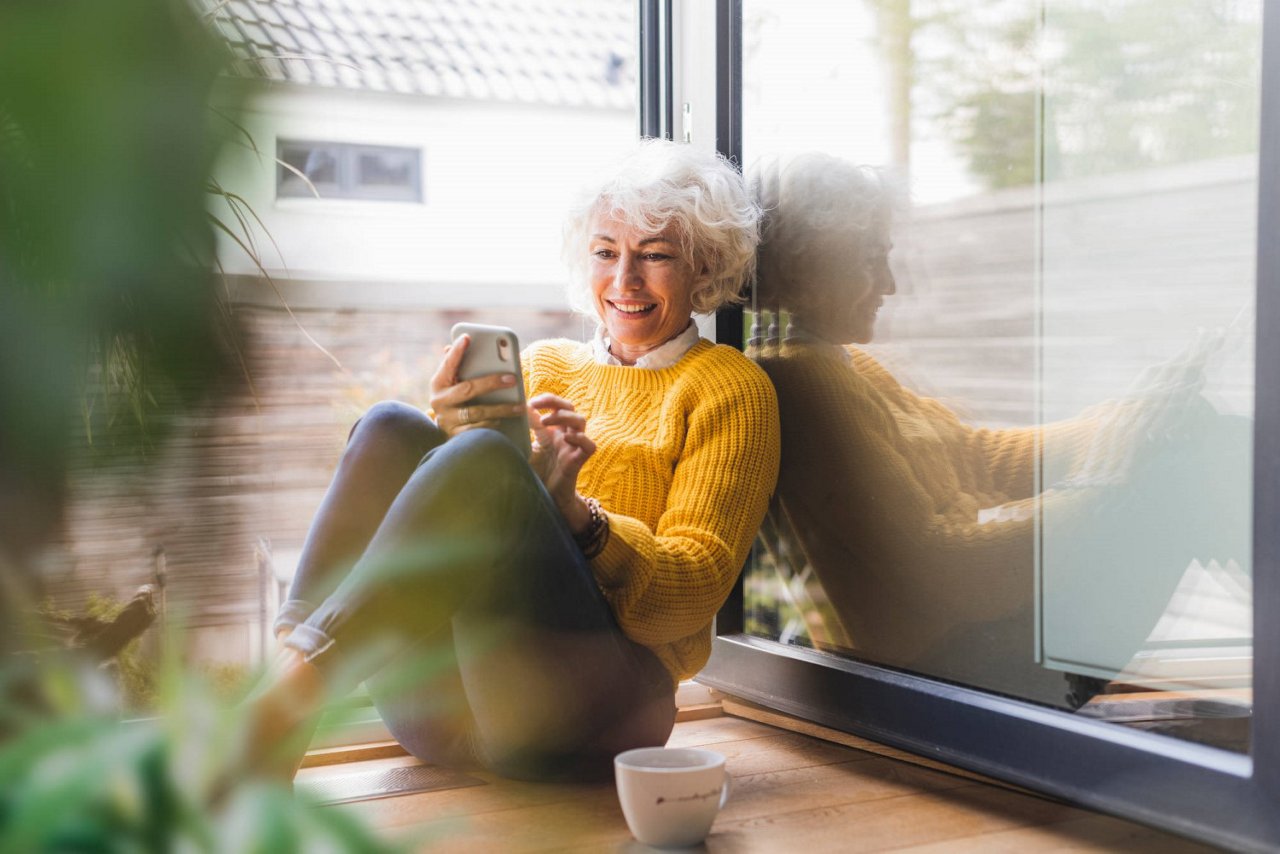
column 496, row 350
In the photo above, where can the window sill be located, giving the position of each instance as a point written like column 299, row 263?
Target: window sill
column 360, row 735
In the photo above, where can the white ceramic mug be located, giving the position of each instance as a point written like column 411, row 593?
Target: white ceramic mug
column 670, row 796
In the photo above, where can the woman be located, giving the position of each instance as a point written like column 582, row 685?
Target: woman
column 920, row 527
column 534, row 616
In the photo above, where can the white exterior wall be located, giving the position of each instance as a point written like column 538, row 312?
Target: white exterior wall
column 497, row 179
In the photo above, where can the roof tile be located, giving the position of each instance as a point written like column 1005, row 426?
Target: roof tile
column 310, row 42
column 427, row 80
column 341, row 22
column 282, row 37
column 320, row 21
column 400, row 79
column 410, row 50
column 360, row 46
column 381, row 47
column 269, row 66
column 335, row 45
column 256, row 34
column 326, row 73
column 348, row 75
column 299, row 71
column 268, row 12
column 370, row 23
column 294, row 18
column 549, row 51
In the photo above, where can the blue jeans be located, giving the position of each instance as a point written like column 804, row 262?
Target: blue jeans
column 469, row 609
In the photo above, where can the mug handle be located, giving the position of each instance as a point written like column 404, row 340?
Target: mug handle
column 725, row 790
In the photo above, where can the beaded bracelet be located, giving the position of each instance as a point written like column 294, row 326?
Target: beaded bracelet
column 592, row 541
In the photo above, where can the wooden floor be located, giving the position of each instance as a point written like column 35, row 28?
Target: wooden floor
column 792, row 793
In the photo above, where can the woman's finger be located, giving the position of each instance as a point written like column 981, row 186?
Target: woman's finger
column 551, row 401
column 582, row 441
column 447, row 374
column 541, row 433
column 459, row 393
column 565, row 418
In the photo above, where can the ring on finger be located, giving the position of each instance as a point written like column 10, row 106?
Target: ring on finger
column 464, row 415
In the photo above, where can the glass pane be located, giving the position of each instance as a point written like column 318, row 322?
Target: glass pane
column 1006, row 297
column 319, row 164
column 360, row 298
column 387, row 173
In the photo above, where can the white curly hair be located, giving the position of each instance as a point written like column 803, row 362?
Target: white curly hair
column 661, row 184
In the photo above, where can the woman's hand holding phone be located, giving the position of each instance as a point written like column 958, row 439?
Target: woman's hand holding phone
column 463, row 392
column 451, row 397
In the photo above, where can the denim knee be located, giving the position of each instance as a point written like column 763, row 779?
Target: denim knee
column 391, row 420
column 489, row 457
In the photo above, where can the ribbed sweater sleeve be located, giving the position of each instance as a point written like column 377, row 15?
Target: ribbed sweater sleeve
column 686, row 459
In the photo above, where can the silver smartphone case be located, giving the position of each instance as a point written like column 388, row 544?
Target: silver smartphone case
column 496, row 350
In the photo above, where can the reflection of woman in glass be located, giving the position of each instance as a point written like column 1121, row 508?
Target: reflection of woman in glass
column 920, row 527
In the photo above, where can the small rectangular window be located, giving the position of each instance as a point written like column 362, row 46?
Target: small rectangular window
column 340, row 170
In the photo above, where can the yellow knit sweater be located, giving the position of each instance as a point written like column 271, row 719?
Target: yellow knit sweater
column 686, row 458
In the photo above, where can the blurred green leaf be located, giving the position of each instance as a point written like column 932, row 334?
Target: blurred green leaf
column 109, row 311
column 104, row 156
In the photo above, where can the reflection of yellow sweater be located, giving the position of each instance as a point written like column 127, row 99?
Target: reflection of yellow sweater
column 686, row 459
column 883, row 488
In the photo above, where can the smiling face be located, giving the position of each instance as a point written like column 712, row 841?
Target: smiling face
column 641, row 285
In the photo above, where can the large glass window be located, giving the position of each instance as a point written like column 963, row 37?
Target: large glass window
column 1007, row 299
column 494, row 120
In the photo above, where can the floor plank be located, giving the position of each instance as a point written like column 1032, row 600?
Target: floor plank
column 1089, row 833
column 912, row 818
column 792, row 792
column 706, row 733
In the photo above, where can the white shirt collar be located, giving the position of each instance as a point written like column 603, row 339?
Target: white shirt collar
column 663, row 356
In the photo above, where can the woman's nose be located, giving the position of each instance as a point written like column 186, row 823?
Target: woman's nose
column 628, row 273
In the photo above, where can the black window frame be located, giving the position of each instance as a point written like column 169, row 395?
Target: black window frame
column 347, row 187
column 1202, row 792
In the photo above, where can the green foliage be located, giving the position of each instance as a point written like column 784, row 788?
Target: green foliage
column 1150, row 83
column 109, row 311
column 104, row 153
column 135, row 674
column 80, row 780
column 227, row 682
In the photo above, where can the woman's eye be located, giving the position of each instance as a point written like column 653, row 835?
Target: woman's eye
column 656, row 256
column 602, row 253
